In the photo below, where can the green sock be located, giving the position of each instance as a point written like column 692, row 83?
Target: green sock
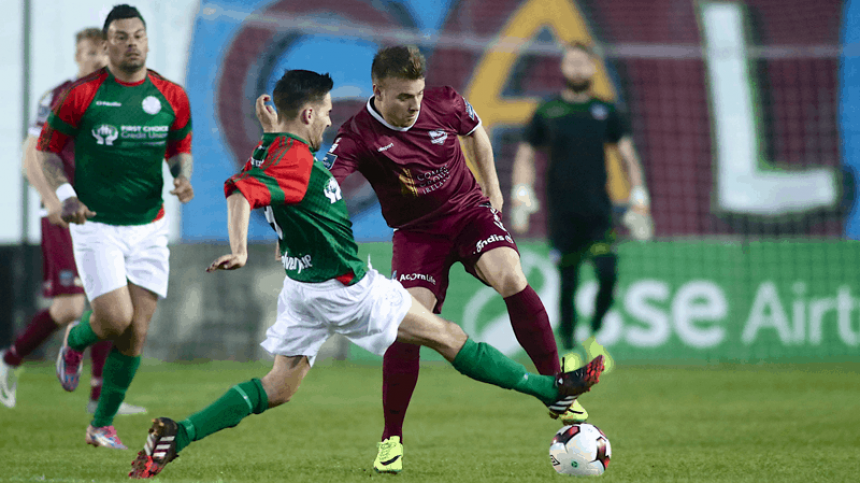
column 235, row 405
column 82, row 336
column 118, row 372
column 485, row 363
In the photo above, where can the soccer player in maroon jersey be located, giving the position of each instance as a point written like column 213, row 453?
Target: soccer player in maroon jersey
column 406, row 142
column 60, row 275
column 125, row 121
column 328, row 289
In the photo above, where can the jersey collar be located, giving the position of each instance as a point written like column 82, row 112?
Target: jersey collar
column 376, row 115
column 270, row 136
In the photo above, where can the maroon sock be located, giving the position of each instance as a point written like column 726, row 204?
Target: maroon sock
column 37, row 332
column 399, row 375
column 98, row 353
column 533, row 331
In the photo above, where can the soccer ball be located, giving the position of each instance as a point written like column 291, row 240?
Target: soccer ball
column 580, row 450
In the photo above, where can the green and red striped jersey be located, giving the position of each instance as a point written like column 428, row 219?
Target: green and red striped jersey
column 305, row 207
column 122, row 134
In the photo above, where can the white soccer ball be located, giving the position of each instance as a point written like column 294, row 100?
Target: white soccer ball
column 580, row 450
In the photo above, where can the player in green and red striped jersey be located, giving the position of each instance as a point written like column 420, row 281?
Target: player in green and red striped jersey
column 125, row 121
column 327, row 289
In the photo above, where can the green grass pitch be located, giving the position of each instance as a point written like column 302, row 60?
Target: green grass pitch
column 708, row 423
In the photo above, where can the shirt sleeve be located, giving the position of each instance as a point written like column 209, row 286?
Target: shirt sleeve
column 179, row 135
column 282, row 177
column 465, row 119
column 617, row 126
column 535, row 131
column 343, row 157
column 64, row 118
column 43, row 109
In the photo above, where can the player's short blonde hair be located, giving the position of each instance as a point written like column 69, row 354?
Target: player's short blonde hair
column 91, row 33
column 401, row 61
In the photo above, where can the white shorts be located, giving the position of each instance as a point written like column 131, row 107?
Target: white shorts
column 109, row 256
column 367, row 313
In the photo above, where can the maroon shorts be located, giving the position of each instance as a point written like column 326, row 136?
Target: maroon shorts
column 59, row 272
column 424, row 258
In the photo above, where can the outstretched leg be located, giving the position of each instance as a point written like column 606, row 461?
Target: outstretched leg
column 167, row 437
column 482, row 362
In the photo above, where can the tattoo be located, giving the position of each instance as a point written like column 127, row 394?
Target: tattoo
column 181, row 165
column 52, row 167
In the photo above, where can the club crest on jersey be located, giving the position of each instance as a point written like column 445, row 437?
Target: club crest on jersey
column 332, row 191
column 105, row 134
column 599, row 111
column 151, row 105
column 438, row 137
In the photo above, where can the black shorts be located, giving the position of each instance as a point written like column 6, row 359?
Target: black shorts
column 577, row 236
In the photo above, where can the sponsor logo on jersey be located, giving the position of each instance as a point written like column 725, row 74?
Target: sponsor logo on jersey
column 438, row 137
column 109, row 103
column 144, row 132
column 297, row 263
column 332, row 190
column 599, row 111
column 411, row 277
column 105, row 134
column 330, row 157
column 386, row 147
column 479, row 247
column 151, row 105
column 470, row 110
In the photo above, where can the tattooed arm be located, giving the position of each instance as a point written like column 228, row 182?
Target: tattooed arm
column 181, row 166
column 73, row 210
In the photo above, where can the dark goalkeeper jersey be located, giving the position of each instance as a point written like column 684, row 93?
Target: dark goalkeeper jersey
column 304, row 205
column 122, row 134
column 575, row 135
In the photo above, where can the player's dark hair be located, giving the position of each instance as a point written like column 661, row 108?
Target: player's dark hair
column 121, row 12
column 92, row 33
column 582, row 46
column 401, row 61
column 297, row 88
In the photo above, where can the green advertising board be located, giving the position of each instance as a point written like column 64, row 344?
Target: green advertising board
column 687, row 301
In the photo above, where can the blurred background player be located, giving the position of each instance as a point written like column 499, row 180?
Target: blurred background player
column 574, row 128
column 125, row 121
column 327, row 288
column 406, row 142
column 60, row 276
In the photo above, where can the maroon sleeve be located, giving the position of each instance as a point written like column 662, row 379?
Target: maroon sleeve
column 343, row 157
column 463, row 117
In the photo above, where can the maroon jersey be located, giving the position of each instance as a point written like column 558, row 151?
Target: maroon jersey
column 419, row 172
column 46, row 103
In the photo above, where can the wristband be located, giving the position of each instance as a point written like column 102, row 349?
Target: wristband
column 65, row 191
column 638, row 196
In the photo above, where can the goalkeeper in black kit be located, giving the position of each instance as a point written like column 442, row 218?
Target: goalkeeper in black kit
column 574, row 128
